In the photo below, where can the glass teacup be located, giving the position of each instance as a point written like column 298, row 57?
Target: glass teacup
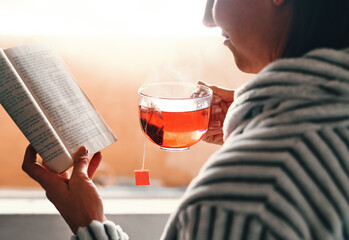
column 174, row 115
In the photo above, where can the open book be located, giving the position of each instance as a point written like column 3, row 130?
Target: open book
column 45, row 101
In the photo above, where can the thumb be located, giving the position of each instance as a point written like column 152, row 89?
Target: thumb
column 80, row 162
column 223, row 93
column 200, row 82
column 213, row 87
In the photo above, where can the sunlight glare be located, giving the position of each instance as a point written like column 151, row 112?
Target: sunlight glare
column 103, row 17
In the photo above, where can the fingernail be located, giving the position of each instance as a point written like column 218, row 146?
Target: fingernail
column 216, row 99
column 83, row 151
column 217, row 110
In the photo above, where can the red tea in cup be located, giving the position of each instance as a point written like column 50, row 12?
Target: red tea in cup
column 174, row 115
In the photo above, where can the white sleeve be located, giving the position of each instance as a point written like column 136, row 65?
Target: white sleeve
column 100, row 231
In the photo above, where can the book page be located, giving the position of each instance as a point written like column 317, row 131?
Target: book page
column 57, row 92
column 25, row 112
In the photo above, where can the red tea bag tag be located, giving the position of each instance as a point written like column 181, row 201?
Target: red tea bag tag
column 142, row 177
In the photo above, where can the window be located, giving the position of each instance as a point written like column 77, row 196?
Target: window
column 113, row 47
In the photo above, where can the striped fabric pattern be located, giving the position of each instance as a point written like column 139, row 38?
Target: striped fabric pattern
column 283, row 171
column 100, row 231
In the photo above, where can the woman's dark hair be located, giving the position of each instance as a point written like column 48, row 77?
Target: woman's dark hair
column 317, row 24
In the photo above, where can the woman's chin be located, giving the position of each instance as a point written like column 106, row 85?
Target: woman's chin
column 251, row 67
column 246, row 67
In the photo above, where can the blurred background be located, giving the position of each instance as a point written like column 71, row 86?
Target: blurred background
column 112, row 48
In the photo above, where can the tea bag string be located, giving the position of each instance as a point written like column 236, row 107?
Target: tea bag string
column 145, row 140
column 145, row 137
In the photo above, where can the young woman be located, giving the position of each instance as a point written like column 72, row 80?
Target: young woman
column 283, row 170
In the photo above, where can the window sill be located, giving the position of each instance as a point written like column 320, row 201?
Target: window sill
column 28, row 215
column 35, row 202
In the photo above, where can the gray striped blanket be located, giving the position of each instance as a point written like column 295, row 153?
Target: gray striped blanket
column 283, row 171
